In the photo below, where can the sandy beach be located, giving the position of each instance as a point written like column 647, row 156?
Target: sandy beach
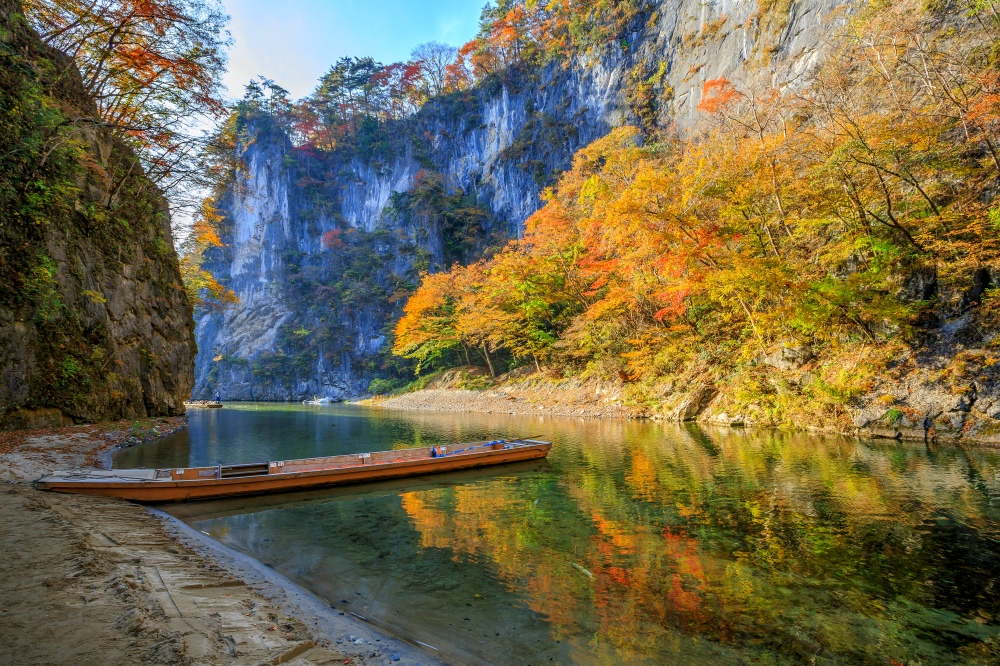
column 89, row 580
column 533, row 394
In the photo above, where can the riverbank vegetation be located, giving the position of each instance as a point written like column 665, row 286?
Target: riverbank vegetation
column 95, row 127
column 841, row 220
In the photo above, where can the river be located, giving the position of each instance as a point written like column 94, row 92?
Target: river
column 634, row 542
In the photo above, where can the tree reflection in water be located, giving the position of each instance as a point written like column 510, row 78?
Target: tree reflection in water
column 650, row 543
column 868, row 553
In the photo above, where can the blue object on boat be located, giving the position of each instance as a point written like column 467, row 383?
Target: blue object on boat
column 439, row 452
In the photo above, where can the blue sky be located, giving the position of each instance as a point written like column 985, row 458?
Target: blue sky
column 294, row 42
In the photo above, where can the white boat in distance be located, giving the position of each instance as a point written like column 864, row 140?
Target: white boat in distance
column 319, row 401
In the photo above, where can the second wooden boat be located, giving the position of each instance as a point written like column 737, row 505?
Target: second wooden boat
column 198, row 483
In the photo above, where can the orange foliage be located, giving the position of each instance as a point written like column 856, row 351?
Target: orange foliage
column 203, row 289
column 790, row 217
column 206, row 234
column 520, row 31
column 152, row 67
column 716, row 94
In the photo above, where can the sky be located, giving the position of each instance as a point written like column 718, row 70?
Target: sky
column 294, row 42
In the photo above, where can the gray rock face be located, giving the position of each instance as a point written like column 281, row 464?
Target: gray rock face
column 953, row 394
column 869, row 415
column 262, row 230
column 503, row 149
column 95, row 323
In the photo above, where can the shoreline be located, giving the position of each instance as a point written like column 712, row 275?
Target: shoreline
column 604, row 400
column 94, row 580
column 326, row 625
column 27, row 452
column 516, row 395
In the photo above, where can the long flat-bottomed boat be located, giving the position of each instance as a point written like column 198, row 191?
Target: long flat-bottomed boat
column 202, row 404
column 199, row 483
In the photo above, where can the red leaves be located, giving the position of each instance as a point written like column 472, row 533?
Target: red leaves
column 331, row 240
column 399, row 87
column 674, row 303
column 150, row 65
column 716, row 94
column 595, row 287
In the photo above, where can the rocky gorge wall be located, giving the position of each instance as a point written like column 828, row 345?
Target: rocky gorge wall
column 94, row 322
column 501, row 149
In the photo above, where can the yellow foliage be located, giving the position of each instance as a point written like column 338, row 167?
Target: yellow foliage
column 786, row 217
column 203, row 290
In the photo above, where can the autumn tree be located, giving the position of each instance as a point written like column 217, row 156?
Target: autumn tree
column 787, row 216
column 433, row 59
column 529, row 32
column 153, row 68
column 426, row 332
column 359, row 94
column 205, row 292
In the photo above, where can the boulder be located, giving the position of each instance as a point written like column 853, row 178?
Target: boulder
column 868, row 415
column 694, row 402
column 787, row 357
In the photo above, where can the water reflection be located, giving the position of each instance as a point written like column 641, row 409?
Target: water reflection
column 634, row 542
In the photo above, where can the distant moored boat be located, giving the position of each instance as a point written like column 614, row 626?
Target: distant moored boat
column 318, row 401
column 203, row 404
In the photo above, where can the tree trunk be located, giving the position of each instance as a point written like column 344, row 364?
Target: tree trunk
column 486, row 354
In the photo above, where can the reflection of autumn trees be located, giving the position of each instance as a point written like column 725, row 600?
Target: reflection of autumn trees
column 777, row 540
column 498, row 523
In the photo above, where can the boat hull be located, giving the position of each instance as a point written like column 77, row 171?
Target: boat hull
column 159, row 490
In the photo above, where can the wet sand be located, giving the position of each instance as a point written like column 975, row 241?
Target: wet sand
column 91, row 580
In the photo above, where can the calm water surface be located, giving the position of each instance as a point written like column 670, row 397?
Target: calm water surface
column 633, row 542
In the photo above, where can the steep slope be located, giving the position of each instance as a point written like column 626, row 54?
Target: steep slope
column 460, row 176
column 94, row 323
column 825, row 256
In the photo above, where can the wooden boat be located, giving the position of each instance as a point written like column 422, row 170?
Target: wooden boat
column 319, row 401
column 206, row 404
column 197, row 483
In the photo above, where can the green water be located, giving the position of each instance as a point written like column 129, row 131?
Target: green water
column 631, row 543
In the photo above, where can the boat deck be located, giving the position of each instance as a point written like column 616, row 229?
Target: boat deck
column 175, row 484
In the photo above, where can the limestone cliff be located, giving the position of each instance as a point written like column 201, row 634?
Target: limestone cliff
column 498, row 147
column 94, row 323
